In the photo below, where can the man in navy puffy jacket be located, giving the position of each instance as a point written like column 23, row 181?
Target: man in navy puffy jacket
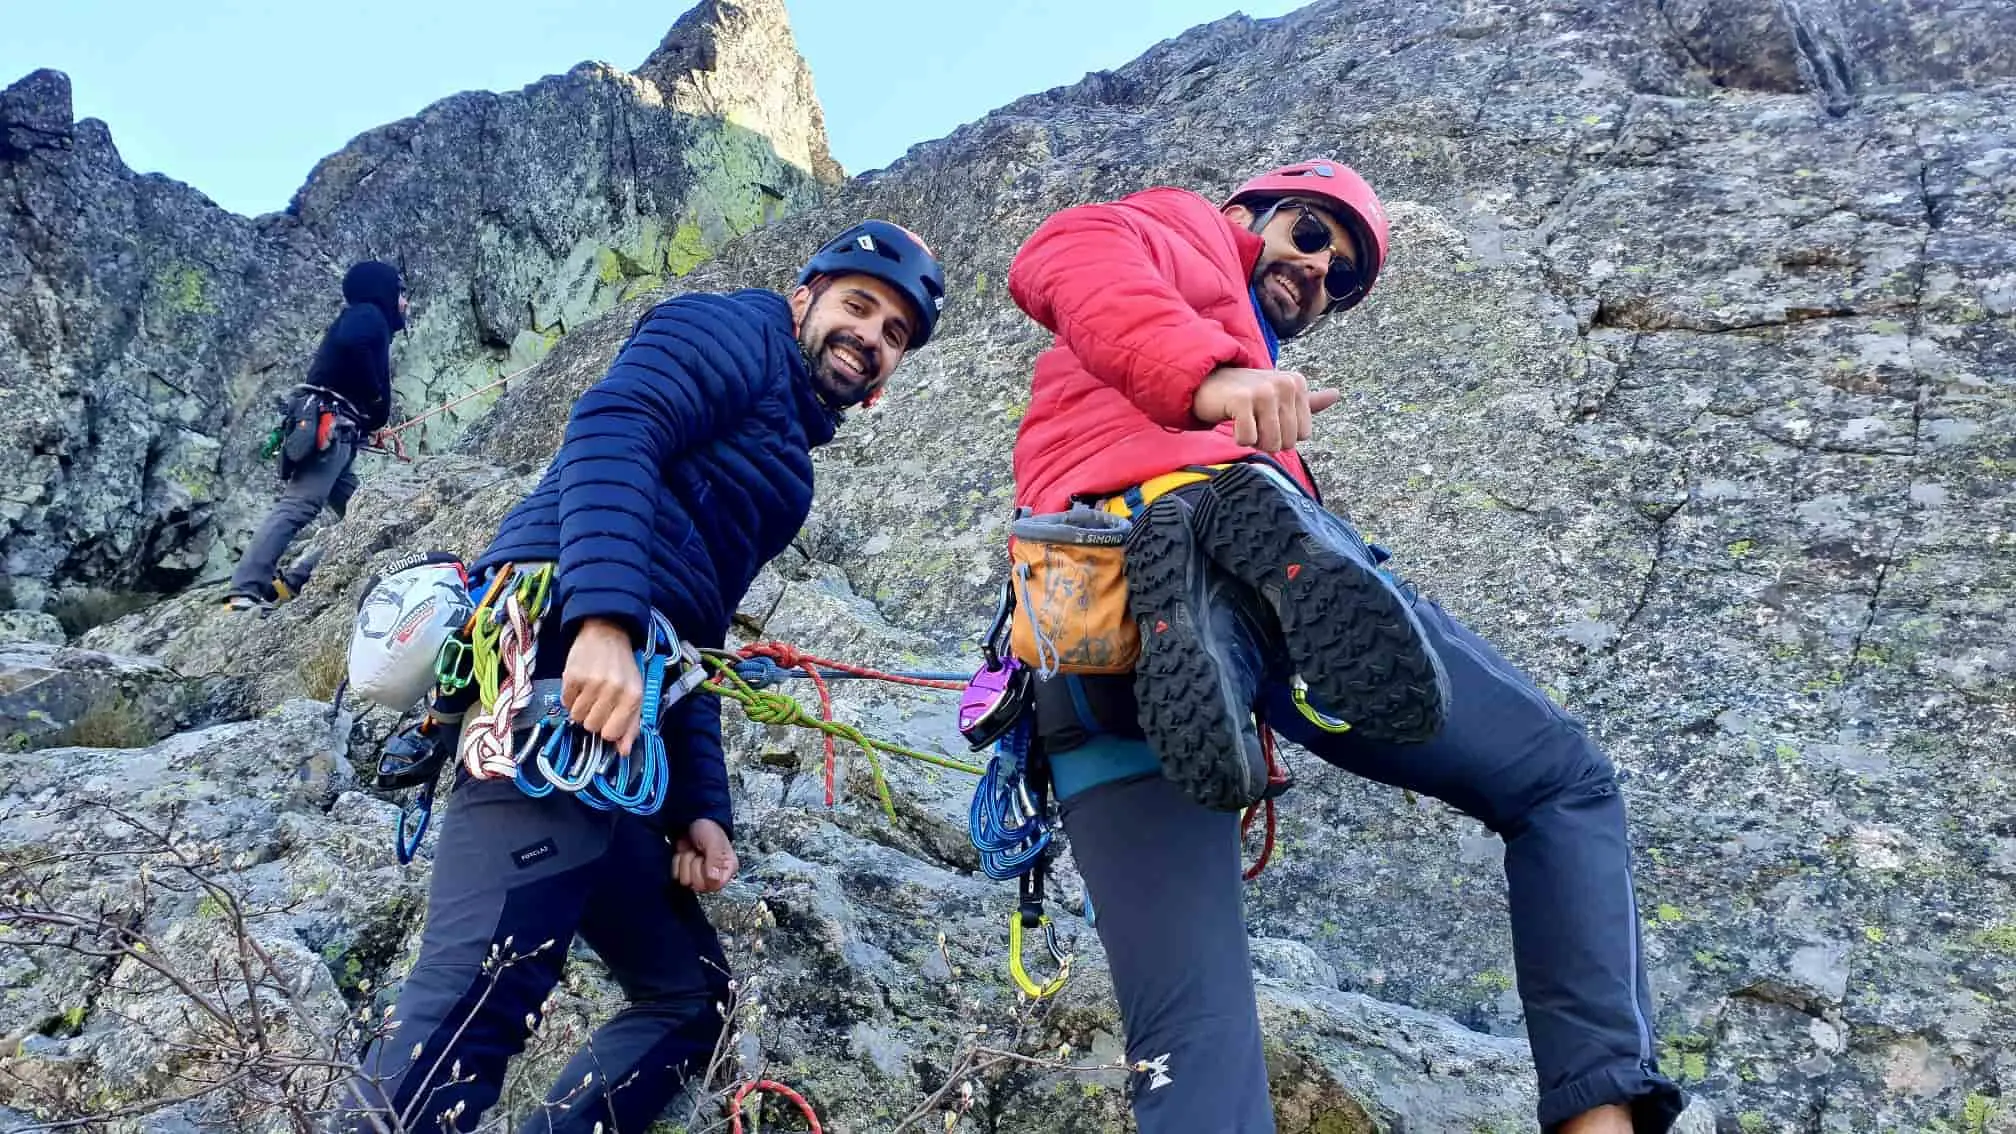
column 683, row 470
column 353, row 363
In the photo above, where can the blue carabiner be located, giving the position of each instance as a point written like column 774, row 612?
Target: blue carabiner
column 643, row 779
column 556, row 735
column 423, row 803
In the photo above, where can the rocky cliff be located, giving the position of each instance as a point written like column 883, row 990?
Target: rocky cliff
column 1689, row 386
column 146, row 332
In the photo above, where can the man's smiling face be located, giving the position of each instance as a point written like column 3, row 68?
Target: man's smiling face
column 1288, row 279
column 853, row 330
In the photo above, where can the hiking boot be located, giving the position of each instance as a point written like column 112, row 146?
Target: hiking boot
column 240, row 603
column 1201, row 663
column 1350, row 634
column 288, row 584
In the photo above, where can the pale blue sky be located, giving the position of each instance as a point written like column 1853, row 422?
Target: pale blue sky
column 240, row 98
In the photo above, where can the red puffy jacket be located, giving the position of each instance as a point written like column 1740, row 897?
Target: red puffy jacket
column 1147, row 295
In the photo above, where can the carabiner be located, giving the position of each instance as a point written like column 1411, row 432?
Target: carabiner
column 1321, row 720
column 1057, row 956
column 531, row 591
column 991, row 645
column 423, row 802
column 575, row 770
column 455, row 665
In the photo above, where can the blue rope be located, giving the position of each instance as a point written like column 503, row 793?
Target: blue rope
column 761, row 673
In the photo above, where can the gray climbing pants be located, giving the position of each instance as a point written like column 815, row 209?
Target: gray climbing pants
column 325, row 478
column 515, row 880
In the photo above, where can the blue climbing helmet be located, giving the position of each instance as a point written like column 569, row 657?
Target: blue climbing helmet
column 894, row 255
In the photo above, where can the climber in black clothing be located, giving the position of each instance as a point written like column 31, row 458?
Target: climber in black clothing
column 346, row 399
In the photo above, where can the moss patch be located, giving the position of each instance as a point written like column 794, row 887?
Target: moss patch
column 182, row 289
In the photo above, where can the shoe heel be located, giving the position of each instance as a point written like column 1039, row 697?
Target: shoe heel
column 1180, row 690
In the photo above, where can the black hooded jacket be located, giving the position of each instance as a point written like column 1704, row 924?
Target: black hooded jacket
column 355, row 358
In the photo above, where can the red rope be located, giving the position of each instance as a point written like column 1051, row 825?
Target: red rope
column 1275, row 775
column 791, row 657
column 775, row 1088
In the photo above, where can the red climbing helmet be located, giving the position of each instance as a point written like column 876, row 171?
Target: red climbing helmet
column 1338, row 185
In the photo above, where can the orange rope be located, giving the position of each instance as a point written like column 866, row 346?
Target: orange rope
column 387, row 440
column 775, row 1088
column 395, row 430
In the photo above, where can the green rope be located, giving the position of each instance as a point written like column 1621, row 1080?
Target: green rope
column 771, row 707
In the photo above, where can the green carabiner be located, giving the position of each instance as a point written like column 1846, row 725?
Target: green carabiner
column 455, row 666
column 532, row 591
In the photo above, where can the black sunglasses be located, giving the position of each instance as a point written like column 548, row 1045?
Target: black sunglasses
column 1310, row 236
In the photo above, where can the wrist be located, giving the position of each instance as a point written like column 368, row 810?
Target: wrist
column 600, row 629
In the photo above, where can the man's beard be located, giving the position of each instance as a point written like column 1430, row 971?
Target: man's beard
column 1287, row 321
column 835, row 388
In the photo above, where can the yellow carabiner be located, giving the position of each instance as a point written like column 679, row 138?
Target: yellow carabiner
column 1029, row 987
column 1323, row 721
column 532, row 590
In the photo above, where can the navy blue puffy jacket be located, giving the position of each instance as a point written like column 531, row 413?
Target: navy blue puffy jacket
column 683, row 471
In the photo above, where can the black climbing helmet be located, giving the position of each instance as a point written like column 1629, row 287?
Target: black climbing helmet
column 894, row 255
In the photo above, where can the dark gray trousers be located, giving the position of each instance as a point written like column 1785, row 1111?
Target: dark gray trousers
column 1163, row 876
column 515, row 879
column 327, row 478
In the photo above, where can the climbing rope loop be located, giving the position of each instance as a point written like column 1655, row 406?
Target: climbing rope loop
column 770, row 1086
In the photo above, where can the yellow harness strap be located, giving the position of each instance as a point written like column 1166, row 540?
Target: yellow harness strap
column 1148, row 491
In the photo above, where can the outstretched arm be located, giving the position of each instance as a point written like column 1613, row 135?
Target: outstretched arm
column 1089, row 275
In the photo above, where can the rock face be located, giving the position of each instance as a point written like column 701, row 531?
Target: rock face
column 52, row 695
column 144, row 332
column 1689, row 386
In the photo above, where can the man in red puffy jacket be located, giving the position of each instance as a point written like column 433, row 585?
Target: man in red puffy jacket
column 1161, row 400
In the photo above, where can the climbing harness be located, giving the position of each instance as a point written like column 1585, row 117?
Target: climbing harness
column 311, row 418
